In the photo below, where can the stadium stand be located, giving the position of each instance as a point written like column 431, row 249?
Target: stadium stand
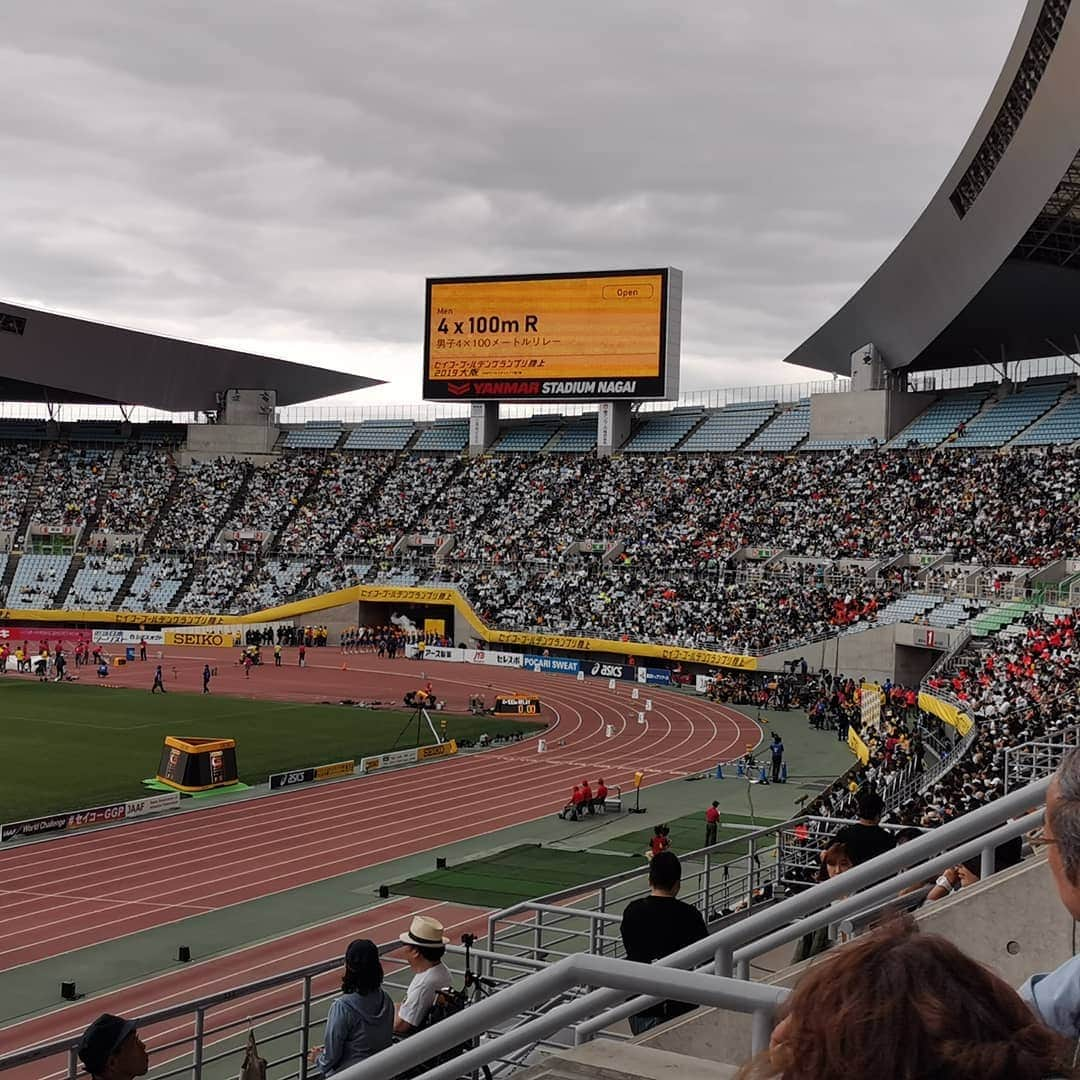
column 941, row 419
column 577, row 437
column 214, row 584
column 339, row 575
column 18, row 463
column 633, row 525
column 314, row 435
column 131, row 502
column 954, row 612
column 37, row 580
column 201, row 501
column 97, row 582
column 729, row 428
column 380, row 435
column 1062, row 425
column 396, row 506
column 663, row 431
column 1004, row 420
column 67, row 487
column 272, row 496
column 528, row 438
column 345, row 484
column 910, row 608
column 273, row 582
column 786, row 431
column 156, row 584
column 449, row 435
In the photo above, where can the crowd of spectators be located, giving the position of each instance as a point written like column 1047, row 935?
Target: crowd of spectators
column 133, row 501
column 214, row 584
column 345, row 485
column 672, row 603
column 395, row 507
column 1015, row 688
column 637, row 544
column 18, row 462
column 203, row 494
column 275, row 490
column 70, row 485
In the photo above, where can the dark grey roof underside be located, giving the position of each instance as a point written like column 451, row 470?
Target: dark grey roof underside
column 57, row 358
column 991, row 269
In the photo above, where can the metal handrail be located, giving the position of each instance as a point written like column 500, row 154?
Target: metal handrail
column 1053, row 748
column 826, row 903
column 616, row 976
column 659, row 981
column 271, row 982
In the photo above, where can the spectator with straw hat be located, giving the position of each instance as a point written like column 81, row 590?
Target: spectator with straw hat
column 425, row 947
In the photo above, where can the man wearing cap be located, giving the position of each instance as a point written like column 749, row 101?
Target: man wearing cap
column 112, row 1050
column 425, row 948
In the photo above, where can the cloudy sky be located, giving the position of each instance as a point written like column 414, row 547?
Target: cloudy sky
column 281, row 176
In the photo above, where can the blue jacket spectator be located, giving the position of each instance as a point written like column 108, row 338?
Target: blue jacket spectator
column 361, row 1021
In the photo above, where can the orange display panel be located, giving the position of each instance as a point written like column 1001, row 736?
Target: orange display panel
column 548, row 337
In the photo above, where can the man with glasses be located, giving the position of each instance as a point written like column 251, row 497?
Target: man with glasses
column 1055, row 996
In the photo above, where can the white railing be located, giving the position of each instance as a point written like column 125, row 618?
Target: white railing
column 1038, row 758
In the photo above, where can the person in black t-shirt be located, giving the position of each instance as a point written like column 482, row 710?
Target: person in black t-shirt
column 866, row 838
column 657, row 925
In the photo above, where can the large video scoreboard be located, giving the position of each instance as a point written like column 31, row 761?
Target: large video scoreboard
column 598, row 336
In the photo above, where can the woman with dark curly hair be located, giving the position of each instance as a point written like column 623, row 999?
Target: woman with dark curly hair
column 361, row 1021
column 900, row 1005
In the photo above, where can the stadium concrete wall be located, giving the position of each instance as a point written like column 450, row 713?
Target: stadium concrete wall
column 870, row 654
column 247, row 441
column 865, row 414
column 1013, row 923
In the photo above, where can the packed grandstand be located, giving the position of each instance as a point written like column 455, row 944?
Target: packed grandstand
column 715, row 533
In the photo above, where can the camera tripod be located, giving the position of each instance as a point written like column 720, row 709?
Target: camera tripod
column 476, row 988
column 419, row 715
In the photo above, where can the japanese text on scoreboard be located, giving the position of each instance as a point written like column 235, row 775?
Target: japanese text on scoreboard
column 553, row 337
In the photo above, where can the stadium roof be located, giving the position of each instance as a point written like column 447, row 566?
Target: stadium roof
column 59, row 359
column 991, row 270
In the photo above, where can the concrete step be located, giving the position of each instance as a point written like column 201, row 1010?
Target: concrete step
column 604, row 1059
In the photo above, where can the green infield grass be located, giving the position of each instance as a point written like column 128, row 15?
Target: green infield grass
column 68, row 747
column 510, row 876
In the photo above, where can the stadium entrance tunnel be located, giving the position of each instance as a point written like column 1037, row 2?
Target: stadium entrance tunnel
column 434, row 618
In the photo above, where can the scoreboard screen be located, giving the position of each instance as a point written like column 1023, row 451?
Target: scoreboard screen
column 553, row 337
column 516, row 705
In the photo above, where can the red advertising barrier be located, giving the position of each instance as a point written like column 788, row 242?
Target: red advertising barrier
column 34, row 635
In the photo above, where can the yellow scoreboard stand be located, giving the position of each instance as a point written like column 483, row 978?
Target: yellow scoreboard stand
column 190, row 763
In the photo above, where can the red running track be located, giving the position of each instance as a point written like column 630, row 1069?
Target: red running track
column 230, row 854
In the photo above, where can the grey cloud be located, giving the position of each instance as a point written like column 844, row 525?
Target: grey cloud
column 291, row 172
